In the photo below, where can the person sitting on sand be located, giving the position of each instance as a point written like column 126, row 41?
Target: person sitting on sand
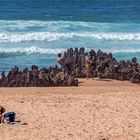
column 2, row 110
column 89, row 65
column 7, row 117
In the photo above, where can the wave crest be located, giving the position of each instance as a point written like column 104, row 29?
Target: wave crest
column 30, row 50
column 53, row 36
column 38, row 50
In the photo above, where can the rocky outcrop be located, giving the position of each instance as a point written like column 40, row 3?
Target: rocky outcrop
column 104, row 65
column 37, row 78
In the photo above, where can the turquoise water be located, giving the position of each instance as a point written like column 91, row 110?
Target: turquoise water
column 33, row 31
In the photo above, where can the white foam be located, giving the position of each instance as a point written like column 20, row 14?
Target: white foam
column 29, row 30
column 31, row 25
column 38, row 50
column 54, row 36
column 31, row 50
column 40, row 36
column 127, row 50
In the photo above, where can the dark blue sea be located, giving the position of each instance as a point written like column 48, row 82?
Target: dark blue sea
column 34, row 31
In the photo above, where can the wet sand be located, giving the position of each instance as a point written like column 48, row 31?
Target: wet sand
column 96, row 110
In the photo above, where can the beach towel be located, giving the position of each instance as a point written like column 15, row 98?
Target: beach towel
column 13, row 123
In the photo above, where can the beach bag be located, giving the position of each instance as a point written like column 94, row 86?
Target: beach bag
column 10, row 117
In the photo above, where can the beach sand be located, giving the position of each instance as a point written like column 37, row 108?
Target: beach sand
column 96, row 110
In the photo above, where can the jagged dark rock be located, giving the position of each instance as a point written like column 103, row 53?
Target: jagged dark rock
column 37, row 78
column 105, row 66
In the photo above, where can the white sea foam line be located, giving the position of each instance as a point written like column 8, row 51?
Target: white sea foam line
column 53, row 36
column 24, row 23
column 35, row 49
column 31, row 50
column 126, row 51
column 46, row 25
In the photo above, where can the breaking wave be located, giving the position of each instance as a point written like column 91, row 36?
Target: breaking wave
column 30, row 50
column 53, row 36
column 38, row 50
column 126, row 51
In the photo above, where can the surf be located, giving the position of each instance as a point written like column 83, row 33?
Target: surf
column 54, row 36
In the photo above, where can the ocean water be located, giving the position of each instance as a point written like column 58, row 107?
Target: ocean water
column 34, row 31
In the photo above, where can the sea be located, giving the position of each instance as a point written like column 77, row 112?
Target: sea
column 35, row 31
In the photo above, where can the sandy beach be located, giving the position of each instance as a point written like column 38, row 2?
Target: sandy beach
column 96, row 110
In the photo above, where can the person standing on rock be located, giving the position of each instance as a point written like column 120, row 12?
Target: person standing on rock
column 61, row 60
